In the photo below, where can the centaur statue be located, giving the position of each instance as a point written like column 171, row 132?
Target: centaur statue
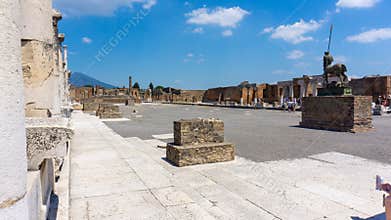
column 329, row 69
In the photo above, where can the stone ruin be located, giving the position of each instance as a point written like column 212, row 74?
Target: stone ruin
column 107, row 111
column 199, row 141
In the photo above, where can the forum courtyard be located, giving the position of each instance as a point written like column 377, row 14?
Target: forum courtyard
column 137, row 111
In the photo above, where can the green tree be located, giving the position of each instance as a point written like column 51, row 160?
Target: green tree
column 136, row 86
column 158, row 90
column 151, row 86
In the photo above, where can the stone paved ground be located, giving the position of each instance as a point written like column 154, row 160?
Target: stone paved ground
column 127, row 178
column 262, row 135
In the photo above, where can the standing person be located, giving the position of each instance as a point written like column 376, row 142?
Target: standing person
column 379, row 100
column 294, row 104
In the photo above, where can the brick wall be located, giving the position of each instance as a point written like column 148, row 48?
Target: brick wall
column 338, row 113
column 372, row 86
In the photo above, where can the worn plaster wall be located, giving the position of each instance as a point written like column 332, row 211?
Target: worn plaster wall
column 42, row 59
column 40, row 80
column 13, row 168
column 36, row 23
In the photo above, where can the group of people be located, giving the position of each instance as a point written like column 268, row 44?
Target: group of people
column 290, row 104
column 383, row 100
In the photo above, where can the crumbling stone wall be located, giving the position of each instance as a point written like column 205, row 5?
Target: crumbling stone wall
column 106, row 111
column 39, row 73
column 271, row 93
column 79, row 94
column 42, row 59
column 224, row 94
column 372, row 86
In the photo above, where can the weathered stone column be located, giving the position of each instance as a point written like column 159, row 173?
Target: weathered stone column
column 315, row 88
column 13, row 169
column 65, row 51
column 291, row 91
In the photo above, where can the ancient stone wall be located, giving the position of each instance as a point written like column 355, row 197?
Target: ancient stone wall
column 337, row 113
column 36, row 22
column 260, row 93
column 372, row 86
column 213, row 95
column 78, row 94
column 271, row 94
column 38, row 61
column 198, row 131
column 189, row 96
column 106, row 111
column 42, row 59
column 224, row 94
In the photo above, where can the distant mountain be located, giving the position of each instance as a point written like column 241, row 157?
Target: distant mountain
column 81, row 79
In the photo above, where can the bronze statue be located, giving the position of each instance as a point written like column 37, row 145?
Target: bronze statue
column 338, row 69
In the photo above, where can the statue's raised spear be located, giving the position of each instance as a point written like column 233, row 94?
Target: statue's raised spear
column 330, row 37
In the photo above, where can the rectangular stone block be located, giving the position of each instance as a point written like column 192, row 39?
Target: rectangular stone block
column 200, row 154
column 337, row 113
column 198, row 131
column 106, row 111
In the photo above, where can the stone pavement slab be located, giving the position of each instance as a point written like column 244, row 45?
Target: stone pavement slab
column 117, row 178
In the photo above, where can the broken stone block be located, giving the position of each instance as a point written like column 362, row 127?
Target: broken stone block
column 199, row 141
column 46, row 138
column 200, row 154
column 198, row 131
column 106, row 111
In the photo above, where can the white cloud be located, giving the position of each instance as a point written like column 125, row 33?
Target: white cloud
column 198, row 30
column 98, row 7
column 357, row 3
column 227, row 33
column 149, row 4
column 224, row 17
column 294, row 33
column 371, row 36
column 86, row 40
column 295, row 54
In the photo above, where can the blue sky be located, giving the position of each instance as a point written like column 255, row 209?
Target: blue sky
column 201, row 44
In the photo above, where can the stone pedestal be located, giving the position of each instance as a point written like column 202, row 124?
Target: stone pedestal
column 337, row 113
column 335, row 91
column 199, row 141
column 198, row 131
column 200, row 154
